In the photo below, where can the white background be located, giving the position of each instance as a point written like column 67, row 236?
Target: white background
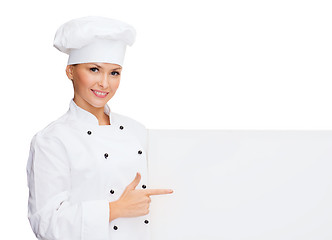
column 194, row 65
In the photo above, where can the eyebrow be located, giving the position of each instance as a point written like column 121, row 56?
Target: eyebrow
column 102, row 67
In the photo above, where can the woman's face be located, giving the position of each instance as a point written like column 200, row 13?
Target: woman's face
column 94, row 83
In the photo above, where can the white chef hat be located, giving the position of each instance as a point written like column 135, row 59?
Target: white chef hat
column 94, row 39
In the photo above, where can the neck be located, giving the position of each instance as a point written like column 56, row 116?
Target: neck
column 98, row 112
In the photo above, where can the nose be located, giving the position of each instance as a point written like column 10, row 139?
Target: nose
column 104, row 81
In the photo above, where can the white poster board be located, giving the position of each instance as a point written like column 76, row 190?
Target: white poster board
column 237, row 184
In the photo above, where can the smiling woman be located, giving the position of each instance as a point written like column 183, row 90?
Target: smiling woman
column 84, row 167
column 94, row 85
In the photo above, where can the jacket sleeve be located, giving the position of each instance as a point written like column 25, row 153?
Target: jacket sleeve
column 51, row 215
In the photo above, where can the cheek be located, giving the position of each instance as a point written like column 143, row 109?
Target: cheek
column 115, row 84
column 84, row 81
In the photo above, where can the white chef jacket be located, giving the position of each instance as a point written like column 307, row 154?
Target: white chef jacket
column 76, row 167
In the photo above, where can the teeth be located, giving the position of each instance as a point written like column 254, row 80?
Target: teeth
column 99, row 93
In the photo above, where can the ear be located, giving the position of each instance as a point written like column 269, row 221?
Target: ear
column 69, row 71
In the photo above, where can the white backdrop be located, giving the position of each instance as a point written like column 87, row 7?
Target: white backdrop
column 248, row 185
column 195, row 65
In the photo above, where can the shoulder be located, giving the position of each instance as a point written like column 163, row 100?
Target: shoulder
column 47, row 152
column 47, row 145
column 55, row 130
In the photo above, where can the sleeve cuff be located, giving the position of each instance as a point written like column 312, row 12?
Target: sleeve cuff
column 95, row 219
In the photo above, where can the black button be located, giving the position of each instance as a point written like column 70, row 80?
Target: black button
column 115, row 228
column 143, row 186
column 139, row 152
column 89, row 132
column 121, row 127
column 146, row 221
column 106, row 155
column 112, row 191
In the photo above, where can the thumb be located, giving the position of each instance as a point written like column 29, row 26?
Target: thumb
column 135, row 182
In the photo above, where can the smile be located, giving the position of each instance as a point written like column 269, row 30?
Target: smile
column 99, row 94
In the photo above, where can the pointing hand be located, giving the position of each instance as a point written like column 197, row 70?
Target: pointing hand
column 134, row 202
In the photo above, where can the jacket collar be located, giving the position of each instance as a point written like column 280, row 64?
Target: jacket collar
column 83, row 116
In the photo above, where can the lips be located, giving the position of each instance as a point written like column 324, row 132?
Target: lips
column 100, row 94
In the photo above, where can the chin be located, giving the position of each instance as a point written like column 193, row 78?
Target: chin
column 97, row 103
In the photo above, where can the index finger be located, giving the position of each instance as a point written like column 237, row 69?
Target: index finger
column 157, row 191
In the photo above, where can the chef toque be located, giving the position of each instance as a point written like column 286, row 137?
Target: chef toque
column 94, row 39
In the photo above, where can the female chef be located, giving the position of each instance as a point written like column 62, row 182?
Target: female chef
column 87, row 170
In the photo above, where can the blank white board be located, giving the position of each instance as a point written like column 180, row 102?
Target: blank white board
column 238, row 184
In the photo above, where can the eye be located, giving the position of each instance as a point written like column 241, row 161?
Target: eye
column 94, row 69
column 115, row 73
